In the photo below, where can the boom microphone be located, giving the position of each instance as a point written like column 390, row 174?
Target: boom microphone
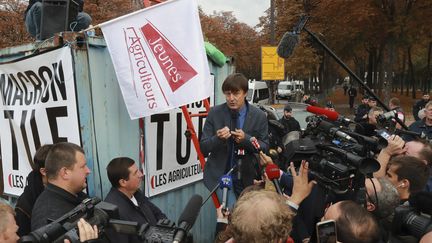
column 290, row 39
column 188, row 217
column 273, row 173
column 287, row 44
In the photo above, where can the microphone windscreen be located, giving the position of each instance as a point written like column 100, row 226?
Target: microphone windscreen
column 331, row 115
column 272, row 171
column 191, row 211
column 287, row 44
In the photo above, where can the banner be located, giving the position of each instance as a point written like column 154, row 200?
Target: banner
column 171, row 160
column 159, row 57
column 37, row 106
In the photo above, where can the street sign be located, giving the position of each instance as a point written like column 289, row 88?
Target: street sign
column 272, row 66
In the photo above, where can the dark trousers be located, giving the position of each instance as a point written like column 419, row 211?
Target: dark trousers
column 351, row 101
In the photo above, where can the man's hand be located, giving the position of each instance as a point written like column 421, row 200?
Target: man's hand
column 222, row 214
column 86, row 231
column 264, row 159
column 302, row 187
column 223, row 133
column 239, row 135
column 395, row 146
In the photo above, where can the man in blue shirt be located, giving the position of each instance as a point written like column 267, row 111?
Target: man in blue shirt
column 227, row 134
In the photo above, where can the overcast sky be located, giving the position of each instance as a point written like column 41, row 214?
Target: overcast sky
column 247, row 11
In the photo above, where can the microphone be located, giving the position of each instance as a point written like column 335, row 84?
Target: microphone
column 287, row 44
column 273, row 173
column 226, row 185
column 188, row 217
column 291, row 38
column 331, row 115
column 335, row 131
column 255, row 144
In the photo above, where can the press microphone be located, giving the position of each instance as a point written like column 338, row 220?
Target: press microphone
column 335, row 131
column 273, row 173
column 187, row 218
column 226, row 185
column 255, row 144
column 331, row 115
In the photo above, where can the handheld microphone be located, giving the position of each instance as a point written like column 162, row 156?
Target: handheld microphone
column 226, row 185
column 255, row 144
column 188, row 217
column 273, row 173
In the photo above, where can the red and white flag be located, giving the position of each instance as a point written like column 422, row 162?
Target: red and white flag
column 159, row 57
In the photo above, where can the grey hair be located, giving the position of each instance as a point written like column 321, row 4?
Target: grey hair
column 388, row 199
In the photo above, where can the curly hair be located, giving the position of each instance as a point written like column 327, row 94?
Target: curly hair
column 261, row 216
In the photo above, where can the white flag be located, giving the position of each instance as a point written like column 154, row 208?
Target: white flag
column 159, row 57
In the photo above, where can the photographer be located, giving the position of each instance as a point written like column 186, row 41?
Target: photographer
column 66, row 170
column 368, row 128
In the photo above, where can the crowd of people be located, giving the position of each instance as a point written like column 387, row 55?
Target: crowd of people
column 261, row 207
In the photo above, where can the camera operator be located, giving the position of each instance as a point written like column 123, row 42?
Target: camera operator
column 408, row 174
column 66, row 170
column 394, row 105
column 126, row 178
column 368, row 128
column 9, row 228
column 419, row 148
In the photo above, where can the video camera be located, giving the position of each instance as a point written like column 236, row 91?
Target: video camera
column 339, row 159
column 105, row 216
column 415, row 219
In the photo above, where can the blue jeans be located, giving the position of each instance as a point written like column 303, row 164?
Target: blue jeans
column 33, row 21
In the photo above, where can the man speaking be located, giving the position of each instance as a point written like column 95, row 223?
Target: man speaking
column 227, row 134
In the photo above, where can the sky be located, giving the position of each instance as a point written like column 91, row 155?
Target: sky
column 246, row 11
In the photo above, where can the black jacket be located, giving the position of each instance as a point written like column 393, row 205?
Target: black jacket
column 417, row 107
column 290, row 124
column 146, row 212
column 24, row 205
column 53, row 203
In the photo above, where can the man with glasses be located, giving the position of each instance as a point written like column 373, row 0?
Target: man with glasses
column 227, row 135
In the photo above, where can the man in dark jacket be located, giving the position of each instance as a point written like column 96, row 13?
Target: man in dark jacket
column 288, row 121
column 33, row 18
column 423, row 126
column 420, row 105
column 226, row 137
column 362, row 110
column 352, row 93
column 35, row 186
column 126, row 178
column 66, row 170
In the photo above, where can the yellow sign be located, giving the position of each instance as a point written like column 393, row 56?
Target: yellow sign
column 272, row 66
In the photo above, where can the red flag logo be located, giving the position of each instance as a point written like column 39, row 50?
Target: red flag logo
column 173, row 64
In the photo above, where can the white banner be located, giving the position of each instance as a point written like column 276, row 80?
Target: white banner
column 171, row 160
column 37, row 106
column 159, row 57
